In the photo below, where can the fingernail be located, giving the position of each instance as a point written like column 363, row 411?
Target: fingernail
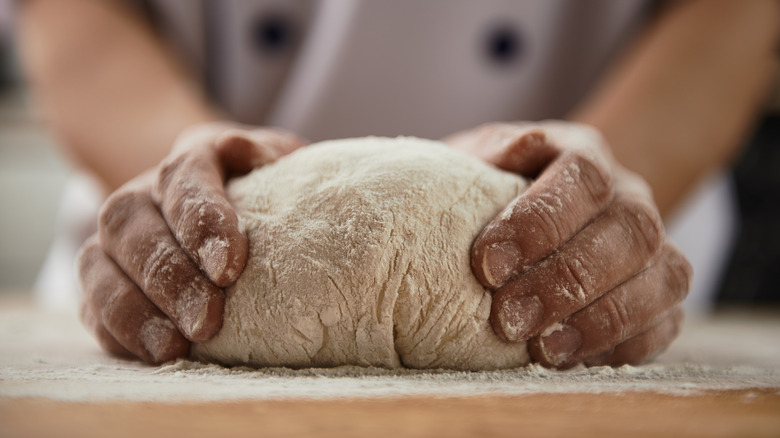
column 214, row 258
column 499, row 263
column 157, row 337
column 560, row 344
column 519, row 317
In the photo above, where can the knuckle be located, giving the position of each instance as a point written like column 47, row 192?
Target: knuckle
column 679, row 274
column 199, row 219
column 643, row 224
column 616, row 319
column 201, row 212
column 541, row 218
column 591, row 173
column 575, row 280
column 169, row 168
column 161, row 265
column 90, row 248
column 116, row 310
column 193, row 210
column 88, row 257
column 118, row 208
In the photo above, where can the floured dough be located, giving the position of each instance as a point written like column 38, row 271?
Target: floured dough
column 359, row 255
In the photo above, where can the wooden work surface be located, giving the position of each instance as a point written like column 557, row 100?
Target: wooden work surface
column 720, row 379
column 742, row 413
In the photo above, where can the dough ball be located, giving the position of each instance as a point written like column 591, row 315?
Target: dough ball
column 359, row 255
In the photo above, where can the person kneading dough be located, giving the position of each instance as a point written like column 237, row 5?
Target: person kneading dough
column 359, row 255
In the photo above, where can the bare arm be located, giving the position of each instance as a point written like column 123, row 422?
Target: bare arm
column 679, row 104
column 106, row 85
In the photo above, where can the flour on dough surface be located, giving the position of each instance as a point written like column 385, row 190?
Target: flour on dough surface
column 359, row 255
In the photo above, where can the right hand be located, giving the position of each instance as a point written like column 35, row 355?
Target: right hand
column 579, row 263
column 168, row 241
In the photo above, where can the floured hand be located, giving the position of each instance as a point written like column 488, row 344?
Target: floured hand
column 579, row 263
column 168, row 241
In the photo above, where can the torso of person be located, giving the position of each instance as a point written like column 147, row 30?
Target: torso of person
column 349, row 68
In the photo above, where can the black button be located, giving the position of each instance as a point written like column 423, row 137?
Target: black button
column 272, row 33
column 503, row 44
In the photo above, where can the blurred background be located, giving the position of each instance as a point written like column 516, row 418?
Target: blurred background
column 32, row 173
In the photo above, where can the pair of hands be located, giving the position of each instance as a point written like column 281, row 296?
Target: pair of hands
column 579, row 262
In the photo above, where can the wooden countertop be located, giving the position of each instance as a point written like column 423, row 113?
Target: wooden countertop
column 740, row 413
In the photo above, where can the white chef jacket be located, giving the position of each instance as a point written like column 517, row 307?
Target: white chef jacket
column 347, row 68
column 426, row 68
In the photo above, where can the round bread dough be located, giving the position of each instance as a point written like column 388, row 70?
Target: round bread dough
column 359, row 254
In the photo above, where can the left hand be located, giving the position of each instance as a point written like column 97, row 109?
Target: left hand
column 579, row 262
column 169, row 241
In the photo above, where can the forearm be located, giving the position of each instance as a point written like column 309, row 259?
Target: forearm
column 680, row 103
column 105, row 85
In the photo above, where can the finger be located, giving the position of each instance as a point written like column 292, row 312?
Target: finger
column 613, row 248
column 87, row 259
column 239, row 154
column 526, row 155
column 571, row 192
column 107, row 342
column 242, row 150
column 519, row 147
column 644, row 346
column 192, row 199
column 628, row 310
column 134, row 234
column 190, row 192
column 122, row 318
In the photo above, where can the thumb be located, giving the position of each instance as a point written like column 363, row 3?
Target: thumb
column 241, row 150
column 518, row 148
